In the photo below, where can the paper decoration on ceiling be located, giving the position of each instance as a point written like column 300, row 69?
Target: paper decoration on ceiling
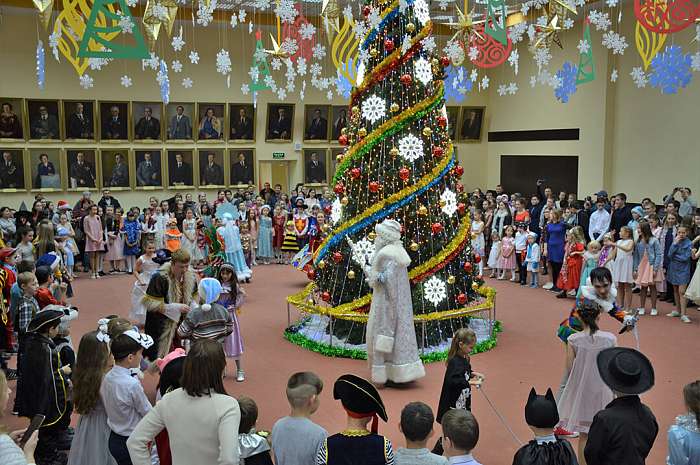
column 345, row 51
column 302, row 35
column 666, row 16
column 259, row 63
column 557, row 13
column 489, row 52
column 40, row 65
column 566, row 77
column 495, row 20
column 155, row 15
column 45, row 8
column 465, row 26
column 330, row 13
column 98, row 32
column 670, row 70
column 586, row 65
column 648, row 43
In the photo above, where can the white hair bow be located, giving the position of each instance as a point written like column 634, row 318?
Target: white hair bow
column 102, row 334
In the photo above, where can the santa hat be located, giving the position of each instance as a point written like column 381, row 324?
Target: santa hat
column 209, row 290
column 63, row 205
column 6, row 252
column 389, row 230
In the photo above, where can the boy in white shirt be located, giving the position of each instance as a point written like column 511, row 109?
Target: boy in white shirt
column 520, row 249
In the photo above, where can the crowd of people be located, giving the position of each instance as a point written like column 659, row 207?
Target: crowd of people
column 183, row 327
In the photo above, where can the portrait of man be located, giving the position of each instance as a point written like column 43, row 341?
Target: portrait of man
column 471, row 123
column 11, row 119
column 148, row 169
column 81, row 169
column 81, row 124
column 316, row 123
column 11, row 170
column 242, row 122
column 180, row 126
column 45, row 173
column 315, row 167
column 279, row 125
column 43, row 117
column 242, row 167
column 452, row 122
column 211, row 171
column 340, row 121
column 115, row 168
column 114, row 125
column 148, row 124
column 180, row 168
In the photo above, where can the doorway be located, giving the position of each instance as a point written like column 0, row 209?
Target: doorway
column 276, row 172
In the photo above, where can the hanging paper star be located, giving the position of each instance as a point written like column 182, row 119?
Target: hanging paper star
column 464, row 27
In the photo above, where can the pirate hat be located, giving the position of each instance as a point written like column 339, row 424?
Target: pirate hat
column 46, row 317
column 359, row 397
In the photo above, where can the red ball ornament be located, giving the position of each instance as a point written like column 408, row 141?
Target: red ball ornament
column 477, row 258
column 459, row 170
column 445, row 61
column 389, row 45
column 404, row 174
column 337, row 257
column 311, row 275
column 460, row 187
column 438, row 152
column 374, row 187
column 355, row 173
column 468, row 267
column 339, row 188
column 442, row 121
column 327, row 210
column 343, row 139
column 461, row 208
column 462, row 298
column 437, row 228
column 366, row 10
column 406, row 79
column 326, row 296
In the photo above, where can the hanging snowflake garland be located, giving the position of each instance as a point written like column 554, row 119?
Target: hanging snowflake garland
column 194, row 57
column 286, row 11
column 411, row 148
column 613, row 75
column 484, row 83
column 615, row 42
column 449, row 201
column 176, row 66
column 695, row 62
column 435, row 290
column 86, row 82
column 41, row 65
column 223, row 62
column 423, row 71
column 318, row 51
column 164, row 82
column 601, row 21
column 513, row 60
column 126, row 81
column 373, row 109
column 567, row 78
column 583, row 46
column 363, row 251
column 421, row 11
column 178, row 42
column 670, row 70
column 54, row 38
column 639, row 77
column 126, row 24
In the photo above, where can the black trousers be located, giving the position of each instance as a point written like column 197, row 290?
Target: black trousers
column 522, row 267
column 556, row 269
column 47, row 446
column 117, row 447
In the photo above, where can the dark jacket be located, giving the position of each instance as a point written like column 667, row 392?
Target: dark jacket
column 535, row 212
column 112, row 129
column 79, row 128
column 213, row 174
column 622, row 434
column 242, row 129
column 147, row 128
column 181, row 175
column 241, row 174
column 455, row 383
column 103, row 204
column 620, row 218
column 551, row 453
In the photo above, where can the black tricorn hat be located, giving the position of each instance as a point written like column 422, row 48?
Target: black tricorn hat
column 45, row 317
column 625, row 370
column 541, row 411
column 359, row 396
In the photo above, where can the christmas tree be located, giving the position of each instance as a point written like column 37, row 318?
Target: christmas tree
column 398, row 162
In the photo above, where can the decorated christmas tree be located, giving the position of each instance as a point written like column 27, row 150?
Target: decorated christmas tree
column 398, row 162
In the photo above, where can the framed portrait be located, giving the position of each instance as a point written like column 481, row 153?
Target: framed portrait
column 211, row 167
column 452, row 122
column 148, row 169
column 11, row 118
column 210, row 121
column 335, row 151
column 339, row 121
column 280, row 122
column 180, row 168
column 316, row 122
column 46, row 168
column 82, row 168
column 79, row 118
column 470, row 124
column 179, row 121
column 44, row 120
column 146, row 118
column 242, row 117
column 315, row 166
column 115, row 169
column 12, row 170
column 114, row 118
column 242, row 167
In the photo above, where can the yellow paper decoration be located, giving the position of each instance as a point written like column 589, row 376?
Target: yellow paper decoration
column 45, row 8
column 330, row 12
column 648, row 43
column 345, row 51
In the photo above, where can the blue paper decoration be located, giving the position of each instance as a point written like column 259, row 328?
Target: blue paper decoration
column 164, row 83
column 670, row 70
column 40, row 65
column 343, row 85
column 456, row 89
column 567, row 77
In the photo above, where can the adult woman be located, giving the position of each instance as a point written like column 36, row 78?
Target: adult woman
column 10, row 126
column 10, row 453
column 554, row 247
column 311, row 199
column 201, row 419
column 94, row 238
column 7, row 225
column 502, row 216
column 37, row 213
column 210, row 126
column 44, row 168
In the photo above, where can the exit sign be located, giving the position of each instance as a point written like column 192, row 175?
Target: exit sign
column 277, row 155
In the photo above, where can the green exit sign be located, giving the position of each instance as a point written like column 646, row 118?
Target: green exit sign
column 277, row 155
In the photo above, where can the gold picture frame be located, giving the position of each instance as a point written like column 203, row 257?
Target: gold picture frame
column 471, row 133
column 16, row 169
column 272, row 116
column 87, row 178
column 138, row 109
column 72, row 126
column 251, row 161
column 54, row 108
column 234, row 117
column 17, row 107
column 111, row 176
column 52, row 181
column 202, row 109
column 313, row 131
column 145, row 173
column 311, row 171
column 105, row 117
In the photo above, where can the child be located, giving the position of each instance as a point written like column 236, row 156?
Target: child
column 125, row 402
column 265, row 233
column 693, row 290
column 507, row 260
column 231, row 298
column 295, row 438
column 25, row 248
column 27, row 308
column 478, row 243
column 417, row 427
column 90, row 442
column 252, row 224
column 247, row 242
column 171, row 367
column 495, row 254
column 542, row 416
column 253, row 448
column 290, row 245
column 532, row 259
column 132, row 240
column 569, row 278
column 8, row 278
column 607, row 253
column 590, row 261
column 585, row 393
column 189, row 236
column 520, row 251
column 173, row 236
column 279, row 220
column 143, row 270
column 684, row 436
column 460, row 431
column 648, row 261
column 679, row 271
column 209, row 320
column 115, row 242
column 67, row 247
column 45, row 293
column 94, row 240
column 623, row 275
column 229, row 236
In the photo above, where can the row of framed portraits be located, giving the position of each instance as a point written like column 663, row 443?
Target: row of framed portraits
column 79, row 169
column 52, row 120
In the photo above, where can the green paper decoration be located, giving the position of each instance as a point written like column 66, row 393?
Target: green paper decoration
column 112, row 49
column 495, row 25
column 586, row 65
column 260, row 62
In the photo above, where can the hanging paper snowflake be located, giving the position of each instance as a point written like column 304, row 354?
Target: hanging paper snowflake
column 435, row 290
column 374, row 17
column 187, row 83
column 613, row 75
column 223, row 62
column 276, row 64
column 234, row 21
column 86, row 82
column 567, row 76
column 429, row 44
column 516, row 32
column 97, row 63
column 54, row 38
column 474, row 75
column 405, row 44
column 131, row 3
column 485, row 82
column 126, row 81
column 289, row 46
column 194, row 57
column 261, row 4
column 126, row 24
column 318, row 51
column 454, row 52
column 423, row 71
column 281, row 94
column 286, row 11
column 242, row 15
column 449, row 199
column 611, row 3
column 473, row 53
column 513, row 60
column 176, row 66
column 670, row 70
column 639, row 77
column 411, row 148
column 512, row 88
column 583, row 46
column 695, row 62
column 421, row 11
column 245, row 89
column 568, row 23
column 373, row 109
column 307, row 31
column 533, row 81
column 336, row 211
column 501, row 90
column 164, row 82
column 456, row 86
column 205, row 14
column 542, row 57
column 301, row 66
column 160, row 12
column 178, row 42
column 363, row 251
column 615, row 42
column 601, row 21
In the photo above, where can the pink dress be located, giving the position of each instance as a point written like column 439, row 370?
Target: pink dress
column 233, row 344
column 585, row 393
column 507, row 246
column 92, row 225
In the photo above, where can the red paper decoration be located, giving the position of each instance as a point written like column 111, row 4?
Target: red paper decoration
column 404, row 174
column 462, row 298
column 492, row 53
column 437, row 228
column 666, row 17
column 292, row 31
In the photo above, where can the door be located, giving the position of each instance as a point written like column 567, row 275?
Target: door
column 276, row 172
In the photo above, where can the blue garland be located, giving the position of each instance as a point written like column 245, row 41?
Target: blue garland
column 392, row 14
column 40, row 65
column 164, row 83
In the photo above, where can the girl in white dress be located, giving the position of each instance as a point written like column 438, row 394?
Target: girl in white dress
column 623, row 267
column 160, row 227
column 478, row 242
column 494, row 254
column 143, row 270
column 189, row 236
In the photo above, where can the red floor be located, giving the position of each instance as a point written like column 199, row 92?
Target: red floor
column 528, row 354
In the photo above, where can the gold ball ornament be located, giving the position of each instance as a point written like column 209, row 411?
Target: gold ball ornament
column 475, row 286
column 339, row 158
column 322, row 264
column 413, row 247
column 355, row 110
column 410, row 27
column 394, row 107
column 362, row 132
column 344, row 131
column 422, row 210
column 427, row 131
column 394, row 152
column 344, row 200
column 435, row 62
column 372, row 236
column 442, row 203
column 450, row 279
column 310, row 301
column 373, row 52
column 325, row 228
column 351, row 274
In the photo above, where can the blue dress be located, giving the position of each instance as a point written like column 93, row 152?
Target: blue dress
column 556, row 235
column 684, row 441
column 132, row 232
column 265, row 238
column 234, row 250
column 679, row 263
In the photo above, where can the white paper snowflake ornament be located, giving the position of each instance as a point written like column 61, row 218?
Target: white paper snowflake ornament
column 449, row 201
column 421, row 11
column 435, row 290
column 411, row 147
column 86, row 82
column 126, row 81
column 423, row 71
column 336, row 211
column 363, row 251
column 373, row 109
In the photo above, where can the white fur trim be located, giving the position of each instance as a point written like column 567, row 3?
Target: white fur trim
column 588, row 292
column 378, row 374
column 406, row 372
column 392, row 251
column 384, row 344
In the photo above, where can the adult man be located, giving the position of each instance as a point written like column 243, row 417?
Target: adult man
column 170, row 292
column 621, row 215
column 318, row 129
column 315, row 170
column 181, row 172
column 180, row 125
column 242, row 127
column 81, row 173
column 687, row 205
column 241, row 171
column 471, row 128
column 147, row 127
column 114, row 126
column 45, row 126
column 212, row 173
column 147, row 174
column 340, row 123
column 267, row 193
column 120, row 172
column 281, row 126
column 535, row 211
column 108, row 201
column 392, row 350
column 599, row 222
column 79, row 125
column 11, row 176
